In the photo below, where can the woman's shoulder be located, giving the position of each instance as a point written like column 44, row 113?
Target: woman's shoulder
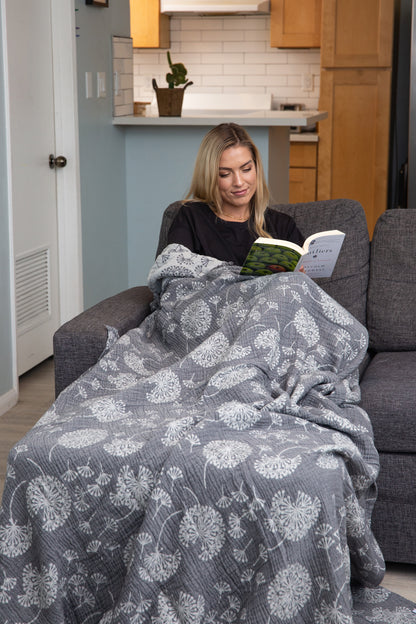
column 194, row 210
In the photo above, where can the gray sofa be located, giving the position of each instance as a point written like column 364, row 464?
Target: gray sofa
column 377, row 283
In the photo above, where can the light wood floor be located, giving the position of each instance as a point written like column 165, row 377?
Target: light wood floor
column 36, row 395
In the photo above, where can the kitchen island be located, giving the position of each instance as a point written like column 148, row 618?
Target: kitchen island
column 277, row 124
column 160, row 155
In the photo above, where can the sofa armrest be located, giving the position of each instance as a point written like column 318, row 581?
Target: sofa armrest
column 79, row 343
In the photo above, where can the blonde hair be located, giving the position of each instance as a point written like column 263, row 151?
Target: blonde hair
column 204, row 184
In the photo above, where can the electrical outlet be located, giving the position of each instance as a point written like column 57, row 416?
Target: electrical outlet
column 88, row 85
column 307, row 82
column 116, row 83
column 101, row 86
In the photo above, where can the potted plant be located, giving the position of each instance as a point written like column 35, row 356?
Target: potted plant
column 170, row 99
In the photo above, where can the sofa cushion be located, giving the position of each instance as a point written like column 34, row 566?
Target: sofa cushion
column 388, row 396
column 349, row 281
column 391, row 302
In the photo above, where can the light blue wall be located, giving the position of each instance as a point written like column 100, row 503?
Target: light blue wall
column 102, row 154
column 159, row 166
column 6, row 363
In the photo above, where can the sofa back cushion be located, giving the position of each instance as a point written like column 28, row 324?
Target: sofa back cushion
column 349, row 281
column 391, row 302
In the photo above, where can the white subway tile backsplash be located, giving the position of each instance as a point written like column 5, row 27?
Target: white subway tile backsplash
column 230, row 54
column 123, row 78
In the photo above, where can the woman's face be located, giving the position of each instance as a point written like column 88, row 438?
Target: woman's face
column 237, row 179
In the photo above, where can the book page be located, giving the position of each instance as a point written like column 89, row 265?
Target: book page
column 322, row 254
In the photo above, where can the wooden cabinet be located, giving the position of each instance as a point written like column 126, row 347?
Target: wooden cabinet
column 355, row 89
column 357, row 33
column 295, row 23
column 354, row 140
column 149, row 28
column 302, row 171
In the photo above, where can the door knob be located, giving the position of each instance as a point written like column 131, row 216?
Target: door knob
column 59, row 161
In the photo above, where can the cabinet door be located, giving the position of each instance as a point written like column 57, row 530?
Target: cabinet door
column 302, row 154
column 302, row 184
column 148, row 27
column 302, row 172
column 357, row 33
column 295, row 23
column 354, row 140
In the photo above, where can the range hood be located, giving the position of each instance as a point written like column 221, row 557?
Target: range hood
column 215, row 7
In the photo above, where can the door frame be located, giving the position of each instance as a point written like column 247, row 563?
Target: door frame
column 67, row 182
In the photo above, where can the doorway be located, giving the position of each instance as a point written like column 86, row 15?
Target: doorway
column 44, row 201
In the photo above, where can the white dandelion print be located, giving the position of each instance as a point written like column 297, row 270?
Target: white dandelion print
column 122, row 447
column 80, row 438
column 176, row 430
column 15, row 539
column 289, row 591
column 307, row 327
column 133, row 490
column 334, row 311
column 211, row 351
column 186, row 609
column 49, row 500
column 232, row 376
column 40, row 586
column 226, row 453
column 8, row 584
column 331, row 614
column 196, row 319
column 293, row 518
column 238, row 415
column 269, row 340
column 123, row 380
column 166, row 388
column 108, row 409
column 203, row 526
column 356, row 521
column 277, row 467
column 160, row 566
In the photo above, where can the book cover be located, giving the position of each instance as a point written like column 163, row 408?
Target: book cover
column 317, row 256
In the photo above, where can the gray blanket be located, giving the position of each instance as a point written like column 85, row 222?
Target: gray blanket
column 212, row 468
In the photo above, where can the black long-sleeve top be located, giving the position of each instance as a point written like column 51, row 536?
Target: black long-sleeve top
column 197, row 227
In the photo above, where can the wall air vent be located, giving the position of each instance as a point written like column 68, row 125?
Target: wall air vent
column 32, row 289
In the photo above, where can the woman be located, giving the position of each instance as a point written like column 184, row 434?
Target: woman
column 228, row 198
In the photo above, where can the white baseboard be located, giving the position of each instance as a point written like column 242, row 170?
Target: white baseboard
column 8, row 400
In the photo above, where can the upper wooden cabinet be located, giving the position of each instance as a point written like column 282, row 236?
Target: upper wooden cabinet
column 356, row 58
column 357, row 33
column 149, row 28
column 295, row 23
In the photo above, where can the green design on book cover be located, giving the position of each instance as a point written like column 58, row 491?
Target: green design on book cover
column 265, row 259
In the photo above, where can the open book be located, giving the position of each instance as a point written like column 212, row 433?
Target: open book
column 317, row 256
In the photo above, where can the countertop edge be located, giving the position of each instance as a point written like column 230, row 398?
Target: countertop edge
column 259, row 118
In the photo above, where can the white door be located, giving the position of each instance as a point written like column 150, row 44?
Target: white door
column 34, row 185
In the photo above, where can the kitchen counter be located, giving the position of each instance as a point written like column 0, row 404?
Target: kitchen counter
column 268, row 118
column 275, row 122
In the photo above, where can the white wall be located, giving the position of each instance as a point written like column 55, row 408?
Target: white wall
column 230, row 55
